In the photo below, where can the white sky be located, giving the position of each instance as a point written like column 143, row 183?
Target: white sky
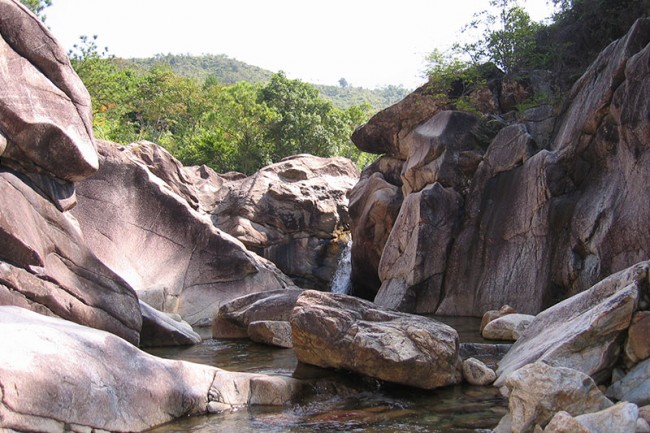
column 370, row 43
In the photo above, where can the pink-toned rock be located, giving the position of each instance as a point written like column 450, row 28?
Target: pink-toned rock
column 495, row 314
column 344, row 332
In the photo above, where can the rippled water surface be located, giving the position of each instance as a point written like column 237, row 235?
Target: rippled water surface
column 372, row 407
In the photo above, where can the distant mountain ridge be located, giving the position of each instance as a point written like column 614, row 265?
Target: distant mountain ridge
column 230, row 71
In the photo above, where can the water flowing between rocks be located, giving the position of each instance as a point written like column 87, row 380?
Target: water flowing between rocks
column 377, row 407
column 341, row 282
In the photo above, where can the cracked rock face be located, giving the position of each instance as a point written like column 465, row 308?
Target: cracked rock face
column 538, row 217
column 294, row 213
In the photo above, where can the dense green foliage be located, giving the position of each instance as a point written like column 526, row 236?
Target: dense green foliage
column 506, row 38
column 230, row 127
column 227, row 70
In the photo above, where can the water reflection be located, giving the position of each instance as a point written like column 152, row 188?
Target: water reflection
column 369, row 407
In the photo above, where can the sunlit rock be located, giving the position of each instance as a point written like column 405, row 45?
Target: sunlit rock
column 344, row 332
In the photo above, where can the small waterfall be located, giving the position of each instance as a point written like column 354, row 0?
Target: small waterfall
column 341, row 280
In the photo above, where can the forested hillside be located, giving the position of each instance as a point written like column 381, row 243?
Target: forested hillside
column 227, row 70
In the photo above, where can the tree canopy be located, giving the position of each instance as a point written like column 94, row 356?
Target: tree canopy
column 230, row 127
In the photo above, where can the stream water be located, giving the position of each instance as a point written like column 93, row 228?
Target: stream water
column 373, row 408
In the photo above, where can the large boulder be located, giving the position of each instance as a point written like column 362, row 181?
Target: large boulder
column 583, row 332
column 621, row 418
column 234, row 317
column 410, row 278
column 46, row 143
column 543, row 217
column 374, row 205
column 46, row 266
column 58, row 374
column 344, row 332
column 45, row 110
column 169, row 253
column 538, row 391
column 294, row 213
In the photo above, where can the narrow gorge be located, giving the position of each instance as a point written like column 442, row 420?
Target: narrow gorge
column 358, row 283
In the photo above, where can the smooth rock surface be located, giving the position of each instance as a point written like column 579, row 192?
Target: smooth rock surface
column 151, row 236
column 234, row 317
column 57, row 374
column 339, row 331
column 489, row 316
column 509, row 327
column 159, row 329
column 45, row 265
column 45, row 110
column 583, row 331
column 537, row 391
column 620, row 418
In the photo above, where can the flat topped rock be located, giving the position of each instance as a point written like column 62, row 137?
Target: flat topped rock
column 339, row 331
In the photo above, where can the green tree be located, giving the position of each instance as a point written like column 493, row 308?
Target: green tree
column 232, row 130
column 37, row 6
column 112, row 89
column 508, row 37
column 306, row 123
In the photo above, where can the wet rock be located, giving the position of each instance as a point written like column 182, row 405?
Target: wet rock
column 339, row 331
column 151, row 236
column 293, row 213
column 583, row 331
column 634, row 386
column 489, row 316
column 232, row 390
column 234, row 317
column 159, row 329
column 489, row 354
column 537, row 391
column 509, row 327
column 477, row 373
column 274, row 333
